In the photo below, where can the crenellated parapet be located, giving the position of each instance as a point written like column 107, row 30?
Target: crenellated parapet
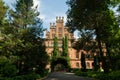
column 52, row 25
column 59, row 19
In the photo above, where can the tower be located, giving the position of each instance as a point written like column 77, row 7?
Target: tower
column 59, row 30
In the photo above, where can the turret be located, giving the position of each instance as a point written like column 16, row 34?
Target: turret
column 59, row 19
column 52, row 25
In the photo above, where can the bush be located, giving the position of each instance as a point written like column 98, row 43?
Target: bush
column 102, row 76
column 7, row 69
column 115, row 75
column 27, row 77
column 74, row 70
column 80, row 73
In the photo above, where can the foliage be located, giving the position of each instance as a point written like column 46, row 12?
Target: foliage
column 3, row 10
column 27, row 77
column 83, row 62
column 94, row 16
column 84, row 9
column 60, row 60
column 63, row 46
column 21, row 42
column 64, row 58
column 115, row 62
column 7, row 69
column 29, row 31
column 96, row 64
column 99, row 75
column 85, row 41
column 55, row 49
column 65, row 49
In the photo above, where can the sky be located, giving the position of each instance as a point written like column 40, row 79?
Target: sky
column 48, row 9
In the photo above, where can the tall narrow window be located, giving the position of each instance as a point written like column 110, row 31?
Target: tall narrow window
column 53, row 35
column 48, row 44
column 71, row 35
column 77, row 54
column 77, row 64
column 59, row 43
column 60, row 36
column 60, row 30
column 47, row 36
column 52, row 44
column 88, row 65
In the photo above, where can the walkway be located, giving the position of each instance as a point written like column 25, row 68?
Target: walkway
column 65, row 76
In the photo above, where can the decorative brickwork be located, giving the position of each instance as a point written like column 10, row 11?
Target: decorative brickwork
column 59, row 30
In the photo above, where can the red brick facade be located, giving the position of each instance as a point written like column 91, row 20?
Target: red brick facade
column 59, row 30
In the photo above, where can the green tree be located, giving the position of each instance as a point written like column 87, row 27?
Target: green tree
column 96, row 64
column 65, row 46
column 3, row 10
column 83, row 62
column 55, row 54
column 28, row 38
column 7, row 59
column 7, row 69
column 94, row 15
column 23, row 15
column 65, row 52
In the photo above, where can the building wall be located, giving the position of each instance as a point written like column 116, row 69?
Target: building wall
column 59, row 30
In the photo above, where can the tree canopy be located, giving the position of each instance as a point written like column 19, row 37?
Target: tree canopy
column 93, row 16
column 21, row 40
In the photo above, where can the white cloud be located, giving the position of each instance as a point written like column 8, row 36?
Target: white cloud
column 37, row 3
column 42, row 16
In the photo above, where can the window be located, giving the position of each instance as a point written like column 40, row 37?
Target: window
column 59, row 43
column 77, row 64
column 60, row 36
column 53, row 30
column 48, row 44
column 52, row 44
column 77, row 54
column 71, row 35
column 47, row 36
column 69, row 43
column 60, row 30
column 60, row 53
column 87, row 65
column 66, row 35
column 53, row 35
column 65, row 30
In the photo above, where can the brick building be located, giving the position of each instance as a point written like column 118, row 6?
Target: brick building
column 59, row 30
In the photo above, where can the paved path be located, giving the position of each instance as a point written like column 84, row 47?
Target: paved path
column 65, row 76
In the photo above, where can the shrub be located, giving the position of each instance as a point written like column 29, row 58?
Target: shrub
column 27, row 77
column 115, row 75
column 79, row 73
